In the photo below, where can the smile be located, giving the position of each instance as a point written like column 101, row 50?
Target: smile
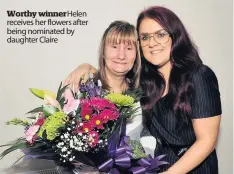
column 120, row 63
column 156, row 51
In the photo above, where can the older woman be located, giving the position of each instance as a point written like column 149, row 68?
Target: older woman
column 119, row 70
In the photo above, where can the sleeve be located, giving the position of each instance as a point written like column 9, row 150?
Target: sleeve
column 206, row 99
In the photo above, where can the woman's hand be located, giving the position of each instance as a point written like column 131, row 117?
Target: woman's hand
column 82, row 71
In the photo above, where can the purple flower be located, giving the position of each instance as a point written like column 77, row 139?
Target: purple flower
column 92, row 89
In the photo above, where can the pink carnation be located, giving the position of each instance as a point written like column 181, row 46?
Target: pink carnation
column 71, row 103
column 31, row 132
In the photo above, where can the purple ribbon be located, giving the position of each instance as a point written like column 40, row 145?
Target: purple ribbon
column 148, row 164
column 121, row 158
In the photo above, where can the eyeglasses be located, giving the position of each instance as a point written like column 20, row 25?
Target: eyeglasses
column 160, row 37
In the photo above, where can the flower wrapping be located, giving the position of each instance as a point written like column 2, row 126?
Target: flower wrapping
column 87, row 127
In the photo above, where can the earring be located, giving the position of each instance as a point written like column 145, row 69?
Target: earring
column 172, row 59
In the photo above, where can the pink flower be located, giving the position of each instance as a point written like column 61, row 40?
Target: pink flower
column 87, row 127
column 97, row 122
column 31, row 132
column 86, row 111
column 108, row 114
column 40, row 121
column 100, row 104
column 71, row 103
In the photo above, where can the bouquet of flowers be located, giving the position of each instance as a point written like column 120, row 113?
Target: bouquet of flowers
column 87, row 127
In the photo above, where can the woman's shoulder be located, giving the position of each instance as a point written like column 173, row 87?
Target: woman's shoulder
column 205, row 100
column 203, row 72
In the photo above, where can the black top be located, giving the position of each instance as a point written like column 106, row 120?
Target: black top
column 174, row 135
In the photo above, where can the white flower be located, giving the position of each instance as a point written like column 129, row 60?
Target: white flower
column 71, row 143
column 64, row 149
column 66, row 136
column 99, row 83
column 59, row 145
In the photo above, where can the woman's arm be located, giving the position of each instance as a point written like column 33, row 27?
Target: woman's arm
column 74, row 77
column 206, row 130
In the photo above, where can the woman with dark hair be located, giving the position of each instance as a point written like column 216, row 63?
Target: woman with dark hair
column 181, row 106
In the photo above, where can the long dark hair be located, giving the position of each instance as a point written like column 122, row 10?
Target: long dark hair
column 184, row 58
